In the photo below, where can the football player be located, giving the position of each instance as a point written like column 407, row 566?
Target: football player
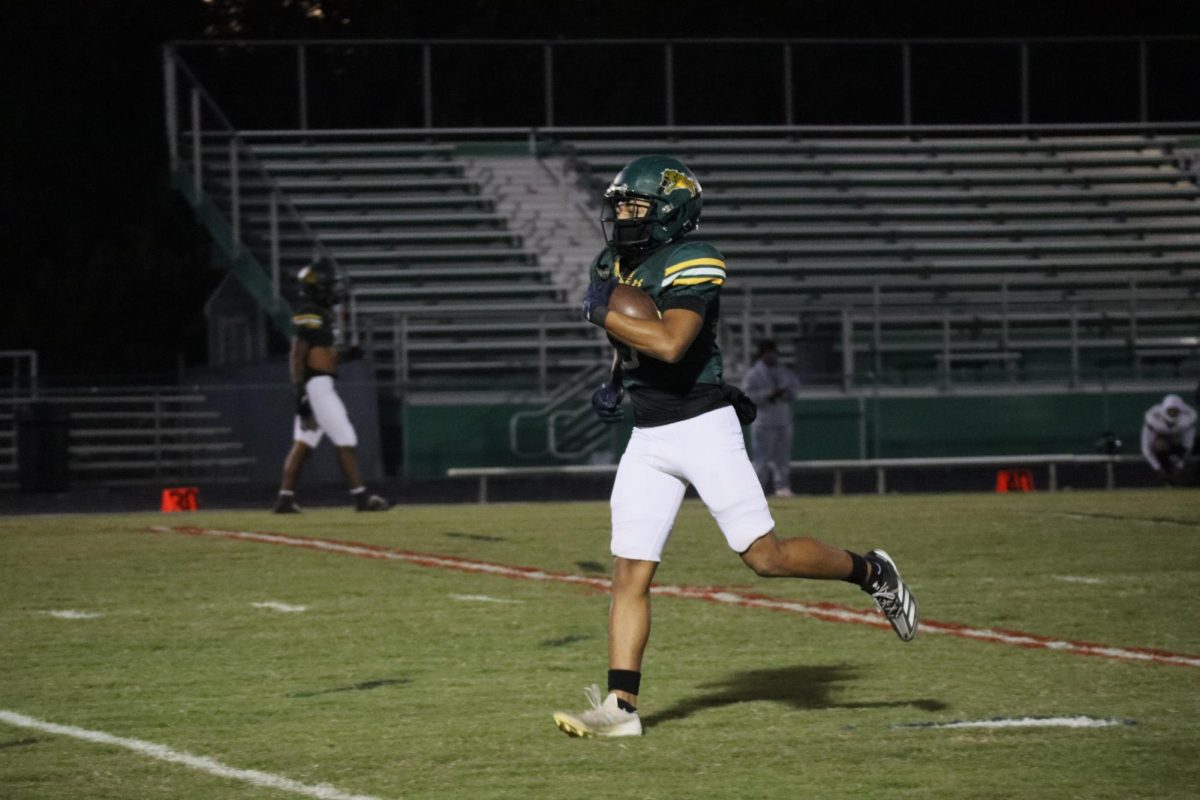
column 1168, row 436
column 313, row 363
column 687, row 430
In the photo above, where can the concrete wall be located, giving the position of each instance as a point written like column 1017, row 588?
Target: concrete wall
column 258, row 401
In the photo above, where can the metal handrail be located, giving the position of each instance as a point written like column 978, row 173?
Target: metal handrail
column 685, row 41
column 880, row 465
column 1020, row 67
column 568, row 392
column 240, row 150
column 18, row 357
column 524, row 132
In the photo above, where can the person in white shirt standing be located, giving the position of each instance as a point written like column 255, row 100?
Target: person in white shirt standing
column 772, row 387
column 1168, row 435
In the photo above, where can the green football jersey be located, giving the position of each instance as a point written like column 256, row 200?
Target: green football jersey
column 683, row 274
column 316, row 325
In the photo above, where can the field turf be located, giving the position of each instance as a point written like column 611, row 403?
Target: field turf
column 399, row 680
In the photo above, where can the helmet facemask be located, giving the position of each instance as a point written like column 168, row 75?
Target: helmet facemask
column 629, row 221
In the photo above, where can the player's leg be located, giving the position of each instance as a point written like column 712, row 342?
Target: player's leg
column 331, row 415
column 303, row 443
column 348, row 461
column 293, row 464
column 725, row 480
column 645, row 500
column 629, row 624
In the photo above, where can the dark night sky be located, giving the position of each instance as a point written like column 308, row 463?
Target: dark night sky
column 108, row 274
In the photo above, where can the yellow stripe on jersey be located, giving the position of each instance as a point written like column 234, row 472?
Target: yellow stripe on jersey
column 307, row 320
column 695, row 262
column 694, row 281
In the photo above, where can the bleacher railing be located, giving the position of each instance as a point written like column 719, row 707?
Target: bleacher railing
column 19, row 378
column 434, row 83
column 212, row 165
column 841, row 348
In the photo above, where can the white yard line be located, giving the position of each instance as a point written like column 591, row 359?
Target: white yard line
column 1024, row 722
column 71, row 613
column 321, row 791
column 826, row 611
column 281, row 607
column 1077, row 579
column 482, row 598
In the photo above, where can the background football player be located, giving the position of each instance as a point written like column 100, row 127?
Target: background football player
column 1168, row 437
column 686, row 430
column 313, row 364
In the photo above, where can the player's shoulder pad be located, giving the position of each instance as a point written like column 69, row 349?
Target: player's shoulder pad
column 693, row 263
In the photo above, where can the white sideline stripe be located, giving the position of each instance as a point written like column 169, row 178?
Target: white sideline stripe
column 482, row 598
column 1077, row 579
column 835, row 614
column 72, row 614
column 283, row 607
column 322, row 791
column 1028, row 722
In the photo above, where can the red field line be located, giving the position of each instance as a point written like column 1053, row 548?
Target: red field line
column 829, row 612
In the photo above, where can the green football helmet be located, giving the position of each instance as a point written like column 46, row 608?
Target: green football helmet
column 321, row 283
column 671, row 194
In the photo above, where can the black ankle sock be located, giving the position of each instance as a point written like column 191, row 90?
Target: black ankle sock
column 625, row 680
column 859, row 570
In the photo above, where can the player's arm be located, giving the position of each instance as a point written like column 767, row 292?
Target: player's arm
column 1189, row 440
column 606, row 400
column 615, row 371
column 1148, row 449
column 667, row 339
column 298, row 360
column 297, row 367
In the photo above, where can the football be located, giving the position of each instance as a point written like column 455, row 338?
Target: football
column 633, row 302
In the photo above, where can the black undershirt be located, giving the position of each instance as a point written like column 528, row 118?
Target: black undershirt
column 653, row 407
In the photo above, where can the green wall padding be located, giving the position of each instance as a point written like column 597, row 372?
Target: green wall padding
column 437, row 437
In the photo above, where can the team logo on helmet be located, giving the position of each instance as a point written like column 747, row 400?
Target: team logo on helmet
column 673, row 179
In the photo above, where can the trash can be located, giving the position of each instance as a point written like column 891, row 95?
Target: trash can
column 43, row 431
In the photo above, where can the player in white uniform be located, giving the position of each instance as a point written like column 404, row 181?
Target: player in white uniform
column 687, row 431
column 1168, row 436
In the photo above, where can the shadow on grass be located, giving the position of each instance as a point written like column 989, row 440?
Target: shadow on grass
column 356, row 687
column 802, row 687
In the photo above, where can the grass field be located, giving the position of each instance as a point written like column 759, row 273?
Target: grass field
column 399, row 680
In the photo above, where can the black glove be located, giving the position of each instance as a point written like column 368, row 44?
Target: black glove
column 595, row 301
column 304, row 410
column 606, row 402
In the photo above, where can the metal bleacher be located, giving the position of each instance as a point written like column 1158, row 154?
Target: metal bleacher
column 402, row 219
column 890, row 256
column 931, row 257
column 131, row 435
column 440, row 278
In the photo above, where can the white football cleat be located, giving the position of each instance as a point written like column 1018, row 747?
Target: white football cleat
column 604, row 718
